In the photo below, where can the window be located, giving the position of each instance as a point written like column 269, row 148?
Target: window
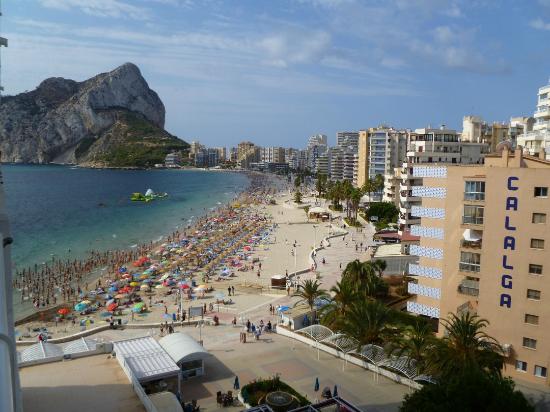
column 473, row 214
column 532, row 319
column 535, row 269
column 541, row 192
column 537, row 243
column 539, row 218
column 529, row 343
column 533, row 294
column 521, row 366
column 474, row 191
column 470, row 262
column 540, row 371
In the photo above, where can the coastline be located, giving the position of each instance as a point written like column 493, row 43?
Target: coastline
column 100, row 270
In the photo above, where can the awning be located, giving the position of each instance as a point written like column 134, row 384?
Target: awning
column 146, row 359
column 471, row 235
column 183, row 348
column 317, row 210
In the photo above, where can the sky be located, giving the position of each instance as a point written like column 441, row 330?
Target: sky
column 277, row 71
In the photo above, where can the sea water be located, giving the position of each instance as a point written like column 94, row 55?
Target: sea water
column 64, row 212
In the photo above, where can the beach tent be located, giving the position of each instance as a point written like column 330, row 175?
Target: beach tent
column 186, row 352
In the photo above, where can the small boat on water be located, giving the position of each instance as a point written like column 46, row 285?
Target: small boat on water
column 148, row 196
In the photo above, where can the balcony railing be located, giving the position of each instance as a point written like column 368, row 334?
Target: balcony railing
column 471, row 244
column 472, row 220
column 469, row 287
column 474, row 196
column 469, row 267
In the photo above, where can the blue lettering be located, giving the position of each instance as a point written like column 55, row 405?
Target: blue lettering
column 506, row 281
column 512, row 203
column 507, row 224
column 510, row 243
column 510, row 180
column 505, row 263
column 505, row 300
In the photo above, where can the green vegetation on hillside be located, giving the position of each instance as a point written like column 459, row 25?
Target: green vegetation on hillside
column 135, row 142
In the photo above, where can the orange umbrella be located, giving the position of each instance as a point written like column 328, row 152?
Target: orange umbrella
column 63, row 311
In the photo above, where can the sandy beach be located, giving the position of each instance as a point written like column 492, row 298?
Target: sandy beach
column 248, row 244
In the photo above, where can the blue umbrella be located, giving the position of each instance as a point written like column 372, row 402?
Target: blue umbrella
column 236, row 385
column 283, row 308
column 316, row 387
column 335, row 391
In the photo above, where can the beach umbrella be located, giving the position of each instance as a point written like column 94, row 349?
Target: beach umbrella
column 112, row 307
column 64, row 311
column 121, row 296
column 144, row 287
column 134, row 283
column 86, row 302
column 283, row 308
column 236, row 385
column 138, row 307
column 106, row 314
column 113, row 289
column 80, row 307
column 166, row 315
column 335, row 391
column 316, row 386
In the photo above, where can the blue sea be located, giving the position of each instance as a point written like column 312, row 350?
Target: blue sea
column 65, row 212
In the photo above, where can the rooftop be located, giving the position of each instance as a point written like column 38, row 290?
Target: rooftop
column 393, row 249
column 91, row 384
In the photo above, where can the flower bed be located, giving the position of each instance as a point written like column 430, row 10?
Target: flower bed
column 255, row 392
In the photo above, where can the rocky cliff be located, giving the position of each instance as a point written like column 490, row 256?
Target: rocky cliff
column 112, row 119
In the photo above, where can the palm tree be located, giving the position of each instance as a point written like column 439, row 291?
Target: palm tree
column 306, row 209
column 308, row 293
column 355, row 200
column 366, row 322
column 466, row 346
column 366, row 276
column 416, row 342
column 344, row 294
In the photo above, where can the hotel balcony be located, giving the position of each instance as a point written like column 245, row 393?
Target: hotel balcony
column 406, row 196
column 472, row 220
column 474, row 196
column 469, row 287
column 470, row 244
column 469, row 267
column 542, row 112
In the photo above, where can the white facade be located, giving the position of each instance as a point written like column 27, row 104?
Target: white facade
column 347, row 139
column 539, row 137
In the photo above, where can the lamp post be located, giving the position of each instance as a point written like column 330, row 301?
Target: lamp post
column 295, row 261
column 314, row 237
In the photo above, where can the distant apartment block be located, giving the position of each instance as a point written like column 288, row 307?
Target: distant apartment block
column 539, row 138
column 172, row 160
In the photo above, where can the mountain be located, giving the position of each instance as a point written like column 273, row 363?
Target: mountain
column 111, row 120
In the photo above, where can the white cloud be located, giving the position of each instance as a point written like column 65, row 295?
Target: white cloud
column 100, row 8
column 540, row 24
column 287, row 48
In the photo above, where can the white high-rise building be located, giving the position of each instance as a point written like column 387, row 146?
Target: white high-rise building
column 317, row 140
column 539, row 137
column 347, row 139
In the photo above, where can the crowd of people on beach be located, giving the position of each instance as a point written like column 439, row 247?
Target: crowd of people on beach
column 66, row 281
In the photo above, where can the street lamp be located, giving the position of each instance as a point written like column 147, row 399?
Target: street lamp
column 314, row 237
